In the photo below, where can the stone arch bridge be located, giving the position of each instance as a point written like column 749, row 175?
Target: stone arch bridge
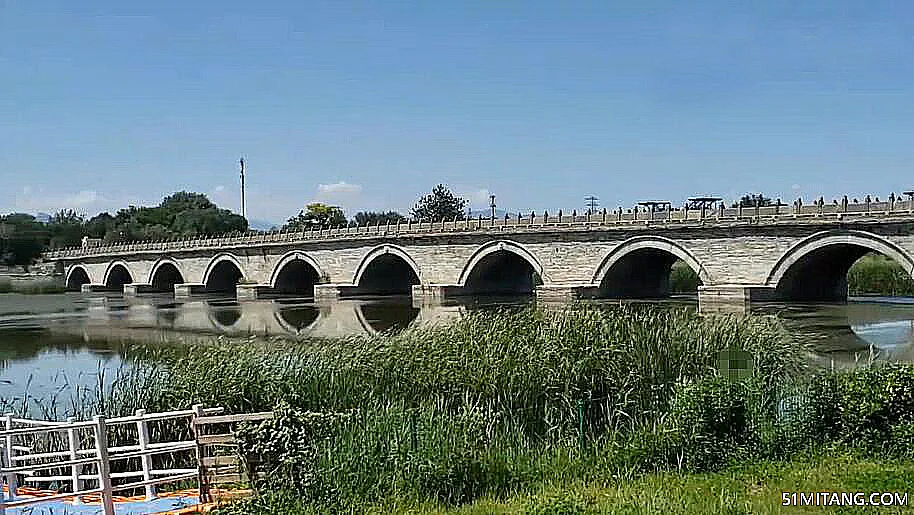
column 739, row 255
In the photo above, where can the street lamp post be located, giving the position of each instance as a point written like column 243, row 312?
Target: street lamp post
column 243, row 213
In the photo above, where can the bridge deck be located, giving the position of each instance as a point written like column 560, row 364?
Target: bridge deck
column 825, row 215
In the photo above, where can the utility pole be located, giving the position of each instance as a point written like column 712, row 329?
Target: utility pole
column 243, row 213
column 492, row 204
column 591, row 203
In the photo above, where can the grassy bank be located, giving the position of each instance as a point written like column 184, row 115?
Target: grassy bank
column 747, row 488
column 32, row 285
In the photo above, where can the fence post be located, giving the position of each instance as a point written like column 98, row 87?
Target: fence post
column 74, row 454
column 8, row 453
column 142, row 431
column 198, row 450
column 581, row 423
column 104, row 467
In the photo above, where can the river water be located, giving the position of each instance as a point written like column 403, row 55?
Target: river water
column 55, row 346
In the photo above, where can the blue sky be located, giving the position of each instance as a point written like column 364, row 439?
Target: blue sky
column 369, row 104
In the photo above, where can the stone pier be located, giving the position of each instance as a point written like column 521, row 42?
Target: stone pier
column 185, row 290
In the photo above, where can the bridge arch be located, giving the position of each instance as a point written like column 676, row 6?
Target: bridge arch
column 223, row 273
column 296, row 273
column 640, row 267
column 165, row 274
column 501, row 267
column 117, row 275
column 815, row 269
column 77, row 276
column 387, row 270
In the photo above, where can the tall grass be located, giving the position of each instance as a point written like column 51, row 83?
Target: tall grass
column 526, row 359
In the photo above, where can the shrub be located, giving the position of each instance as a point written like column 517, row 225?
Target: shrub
column 714, row 421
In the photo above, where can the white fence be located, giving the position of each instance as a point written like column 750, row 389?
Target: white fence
column 87, row 447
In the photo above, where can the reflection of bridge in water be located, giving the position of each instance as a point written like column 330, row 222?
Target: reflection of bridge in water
column 160, row 319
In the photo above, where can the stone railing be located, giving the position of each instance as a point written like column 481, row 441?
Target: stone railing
column 519, row 223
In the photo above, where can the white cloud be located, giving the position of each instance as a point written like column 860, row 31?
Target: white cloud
column 340, row 193
column 341, row 187
column 37, row 200
column 477, row 196
column 219, row 189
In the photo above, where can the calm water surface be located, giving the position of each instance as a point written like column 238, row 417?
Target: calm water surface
column 58, row 345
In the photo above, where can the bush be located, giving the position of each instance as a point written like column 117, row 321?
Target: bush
column 285, row 447
column 715, row 422
column 561, row 503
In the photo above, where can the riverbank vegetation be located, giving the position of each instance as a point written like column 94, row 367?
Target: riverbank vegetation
column 875, row 274
column 38, row 284
column 530, row 409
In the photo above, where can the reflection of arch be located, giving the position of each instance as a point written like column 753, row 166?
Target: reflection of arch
column 77, row 276
column 649, row 242
column 223, row 315
column 385, row 318
column 165, row 274
column 296, row 273
column 816, row 267
column 223, row 273
column 117, row 274
column 296, row 319
column 493, row 247
column 381, row 251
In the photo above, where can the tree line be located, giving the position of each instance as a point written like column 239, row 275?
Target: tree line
column 184, row 214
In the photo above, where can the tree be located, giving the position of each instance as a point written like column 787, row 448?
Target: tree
column 181, row 214
column 316, row 215
column 66, row 229
column 22, row 239
column 378, row 218
column 440, row 204
column 750, row 200
column 99, row 225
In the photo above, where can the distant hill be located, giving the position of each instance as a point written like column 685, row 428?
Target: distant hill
column 262, row 225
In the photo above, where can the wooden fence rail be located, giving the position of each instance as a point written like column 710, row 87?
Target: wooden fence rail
column 68, row 465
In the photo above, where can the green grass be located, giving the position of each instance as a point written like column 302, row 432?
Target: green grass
column 750, row 488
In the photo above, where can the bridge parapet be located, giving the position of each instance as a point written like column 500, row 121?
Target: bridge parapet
column 817, row 213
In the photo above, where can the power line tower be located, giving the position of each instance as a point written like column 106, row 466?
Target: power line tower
column 592, row 203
